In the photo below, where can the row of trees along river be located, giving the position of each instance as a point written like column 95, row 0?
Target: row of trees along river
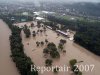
column 23, row 63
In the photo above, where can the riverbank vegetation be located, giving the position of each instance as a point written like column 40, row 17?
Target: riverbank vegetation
column 23, row 63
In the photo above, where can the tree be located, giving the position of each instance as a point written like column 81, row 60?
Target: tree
column 64, row 51
column 46, row 50
column 38, row 31
column 34, row 32
column 27, row 31
column 58, row 34
column 38, row 22
column 38, row 43
column 51, row 45
column 44, row 28
column 54, row 54
column 53, row 50
column 79, row 73
column 62, row 41
column 55, row 70
column 32, row 24
column 48, row 62
column 34, row 35
column 46, row 41
column 60, row 46
column 73, row 62
column 74, row 68
column 42, row 43
column 41, row 31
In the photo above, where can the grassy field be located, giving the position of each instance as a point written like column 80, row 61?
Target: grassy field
column 69, row 17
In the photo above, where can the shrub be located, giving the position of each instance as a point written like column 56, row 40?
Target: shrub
column 73, row 62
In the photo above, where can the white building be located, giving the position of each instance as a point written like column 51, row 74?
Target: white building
column 25, row 13
column 39, row 18
column 62, row 32
column 36, row 13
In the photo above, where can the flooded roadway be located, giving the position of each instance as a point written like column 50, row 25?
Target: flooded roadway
column 7, row 66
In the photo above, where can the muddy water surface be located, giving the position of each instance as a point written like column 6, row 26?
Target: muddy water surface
column 73, row 51
column 7, row 66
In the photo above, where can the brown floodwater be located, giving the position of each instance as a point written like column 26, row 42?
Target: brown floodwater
column 7, row 66
column 73, row 51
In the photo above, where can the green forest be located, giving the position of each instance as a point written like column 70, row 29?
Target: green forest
column 87, row 32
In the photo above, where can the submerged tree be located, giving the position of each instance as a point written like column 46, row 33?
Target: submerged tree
column 34, row 32
column 48, row 62
column 54, row 54
column 52, row 50
column 42, row 43
column 46, row 51
column 44, row 28
column 37, row 43
column 34, row 35
column 62, row 41
column 38, row 24
column 60, row 46
column 41, row 31
column 51, row 45
column 46, row 41
column 58, row 34
column 56, row 70
column 27, row 31
column 32, row 24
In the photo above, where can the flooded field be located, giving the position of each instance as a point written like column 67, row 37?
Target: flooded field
column 73, row 51
column 7, row 66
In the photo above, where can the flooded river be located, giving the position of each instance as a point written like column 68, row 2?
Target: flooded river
column 73, row 51
column 7, row 66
